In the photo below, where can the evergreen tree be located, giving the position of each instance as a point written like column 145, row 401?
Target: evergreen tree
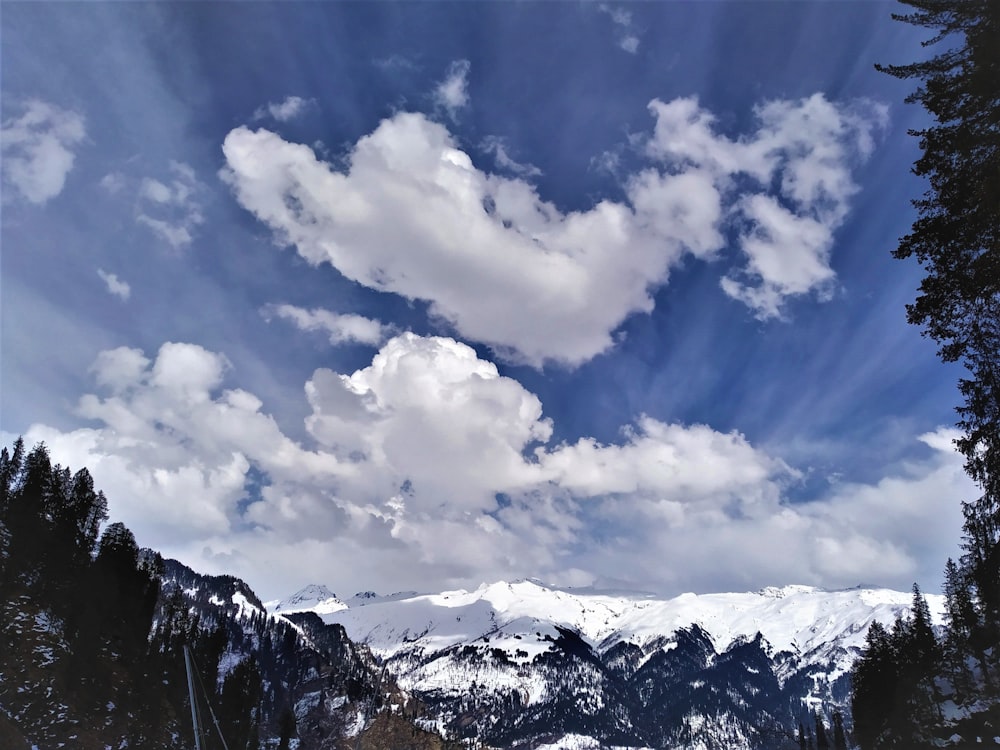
column 924, row 649
column 26, row 518
column 839, row 736
column 802, row 737
column 962, row 618
column 238, row 705
column 286, row 729
column 75, row 524
column 85, row 511
column 956, row 239
column 962, row 646
column 915, row 713
column 129, row 587
column 822, row 741
column 895, row 698
column 873, row 687
column 10, row 470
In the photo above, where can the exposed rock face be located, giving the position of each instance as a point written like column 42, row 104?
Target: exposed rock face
column 524, row 665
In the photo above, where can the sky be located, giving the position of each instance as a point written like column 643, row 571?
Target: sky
column 414, row 296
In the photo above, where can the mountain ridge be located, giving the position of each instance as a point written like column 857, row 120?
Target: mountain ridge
column 635, row 613
column 518, row 663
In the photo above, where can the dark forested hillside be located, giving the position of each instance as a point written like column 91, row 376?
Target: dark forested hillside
column 93, row 631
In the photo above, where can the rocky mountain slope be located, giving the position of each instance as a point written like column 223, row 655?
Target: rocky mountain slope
column 524, row 665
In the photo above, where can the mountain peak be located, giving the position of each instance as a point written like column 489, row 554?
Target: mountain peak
column 780, row 592
column 314, row 591
column 314, row 597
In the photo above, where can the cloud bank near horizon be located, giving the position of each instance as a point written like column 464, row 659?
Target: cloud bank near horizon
column 437, row 471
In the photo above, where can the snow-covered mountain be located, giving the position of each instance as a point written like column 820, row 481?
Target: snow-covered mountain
column 313, row 598
column 319, row 599
column 524, row 663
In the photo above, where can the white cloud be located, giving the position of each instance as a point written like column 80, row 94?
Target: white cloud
column 436, row 471
column 283, row 111
column 341, row 328
column 808, row 146
column 609, row 161
column 423, row 402
column 171, row 209
column 415, row 217
column 788, row 253
column 452, row 94
column 687, row 464
column 156, row 191
column 395, row 63
column 113, row 182
column 171, row 449
column 629, row 43
column 177, row 235
column 118, row 369
column 38, row 149
column 115, row 286
column 495, row 145
column 411, row 214
column 628, row 40
column 891, row 532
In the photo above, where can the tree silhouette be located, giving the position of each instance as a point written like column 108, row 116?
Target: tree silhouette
column 956, row 238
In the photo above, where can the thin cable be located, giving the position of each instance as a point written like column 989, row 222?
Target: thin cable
column 208, row 703
column 193, row 698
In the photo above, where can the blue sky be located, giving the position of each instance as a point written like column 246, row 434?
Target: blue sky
column 411, row 295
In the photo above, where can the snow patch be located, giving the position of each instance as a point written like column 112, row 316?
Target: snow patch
column 312, row 598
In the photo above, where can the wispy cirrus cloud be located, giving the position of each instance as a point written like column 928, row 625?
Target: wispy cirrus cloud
column 496, row 145
column 395, row 63
column 171, row 208
column 626, row 34
column 285, row 110
column 38, row 149
column 115, row 286
column 340, row 328
column 452, row 94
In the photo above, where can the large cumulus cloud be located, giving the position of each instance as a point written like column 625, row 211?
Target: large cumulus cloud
column 411, row 214
column 428, row 469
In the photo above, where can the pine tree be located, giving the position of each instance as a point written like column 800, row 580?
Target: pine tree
column 10, row 470
column 963, row 644
column 839, row 736
column 238, row 704
column 27, row 518
column 895, row 698
column 960, row 611
column 873, row 687
column 822, row 742
column 286, row 729
column 925, row 651
column 86, row 510
column 957, row 241
column 922, row 668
